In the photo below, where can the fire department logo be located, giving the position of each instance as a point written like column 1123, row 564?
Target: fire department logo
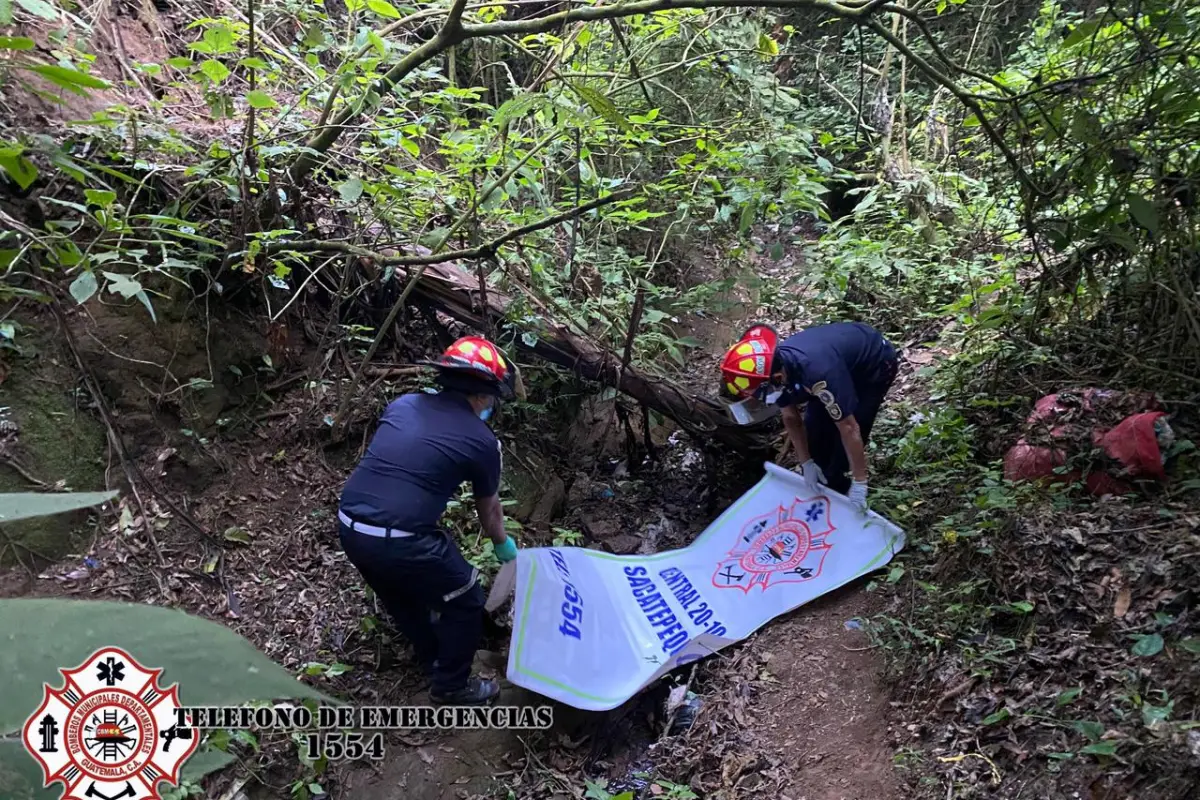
column 787, row 545
column 110, row 731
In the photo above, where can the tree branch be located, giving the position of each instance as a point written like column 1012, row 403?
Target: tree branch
column 486, row 250
column 896, row 8
column 425, row 259
column 966, row 99
column 454, row 31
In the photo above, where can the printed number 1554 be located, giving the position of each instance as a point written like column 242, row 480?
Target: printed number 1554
column 339, row 746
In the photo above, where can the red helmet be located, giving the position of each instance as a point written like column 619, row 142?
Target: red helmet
column 477, row 357
column 747, row 364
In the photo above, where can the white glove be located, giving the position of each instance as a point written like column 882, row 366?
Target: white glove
column 858, row 496
column 812, row 475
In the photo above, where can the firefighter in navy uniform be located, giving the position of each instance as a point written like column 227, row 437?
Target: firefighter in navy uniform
column 426, row 447
column 839, row 374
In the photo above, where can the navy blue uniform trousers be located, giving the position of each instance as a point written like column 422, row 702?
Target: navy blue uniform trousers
column 431, row 593
column 825, row 440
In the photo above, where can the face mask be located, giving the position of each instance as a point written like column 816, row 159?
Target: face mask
column 769, row 392
column 486, row 414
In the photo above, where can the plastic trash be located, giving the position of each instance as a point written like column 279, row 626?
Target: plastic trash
column 685, row 715
column 854, row 625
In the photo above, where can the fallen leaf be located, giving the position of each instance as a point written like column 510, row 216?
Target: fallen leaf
column 236, row 534
column 1121, row 606
column 921, row 357
column 676, row 698
column 425, row 755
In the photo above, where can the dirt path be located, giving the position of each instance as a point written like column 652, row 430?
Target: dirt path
column 824, row 706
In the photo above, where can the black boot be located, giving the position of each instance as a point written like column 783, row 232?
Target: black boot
column 477, row 692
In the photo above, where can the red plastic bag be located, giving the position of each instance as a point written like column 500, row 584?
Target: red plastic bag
column 1059, row 421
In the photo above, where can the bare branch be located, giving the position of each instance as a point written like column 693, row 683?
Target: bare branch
column 484, row 250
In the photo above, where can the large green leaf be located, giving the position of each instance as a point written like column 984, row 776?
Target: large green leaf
column 21, row 777
column 19, row 168
column 1143, row 212
column 214, row 70
column 23, row 505
column 384, row 9
column 260, row 99
column 70, row 79
column 350, row 190
column 40, row 8
column 211, row 664
column 84, row 287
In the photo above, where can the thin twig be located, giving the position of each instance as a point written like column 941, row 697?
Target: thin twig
column 12, row 462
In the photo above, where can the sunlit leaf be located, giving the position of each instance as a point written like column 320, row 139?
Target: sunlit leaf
column 70, row 79
column 517, row 107
column 144, row 299
column 18, row 167
column 100, row 197
column 16, row 43
column 384, row 9
column 767, row 47
column 236, row 534
column 214, row 70
column 260, row 99
column 122, row 284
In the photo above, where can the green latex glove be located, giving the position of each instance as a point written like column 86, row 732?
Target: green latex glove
column 505, row 552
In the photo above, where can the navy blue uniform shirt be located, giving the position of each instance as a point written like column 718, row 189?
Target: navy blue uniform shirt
column 832, row 363
column 426, row 447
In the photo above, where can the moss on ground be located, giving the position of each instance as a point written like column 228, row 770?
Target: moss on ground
column 56, row 440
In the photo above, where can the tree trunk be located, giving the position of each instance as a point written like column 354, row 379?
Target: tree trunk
column 456, row 293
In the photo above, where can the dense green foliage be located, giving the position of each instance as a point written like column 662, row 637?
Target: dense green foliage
column 1017, row 182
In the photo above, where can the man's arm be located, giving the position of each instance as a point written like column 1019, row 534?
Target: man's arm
column 491, row 518
column 793, row 423
column 852, row 441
